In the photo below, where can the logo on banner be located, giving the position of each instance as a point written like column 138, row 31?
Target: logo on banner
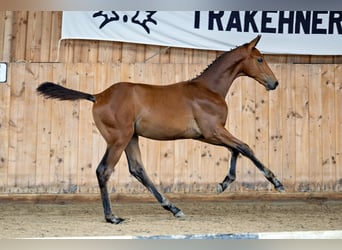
column 141, row 18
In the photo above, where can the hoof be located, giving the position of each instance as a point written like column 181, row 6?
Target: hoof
column 115, row 220
column 219, row 188
column 280, row 189
column 180, row 214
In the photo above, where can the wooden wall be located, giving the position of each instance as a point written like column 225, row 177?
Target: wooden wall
column 51, row 146
column 54, row 147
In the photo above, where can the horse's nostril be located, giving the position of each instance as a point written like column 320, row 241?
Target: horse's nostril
column 272, row 85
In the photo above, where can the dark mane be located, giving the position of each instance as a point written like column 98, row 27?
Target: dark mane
column 216, row 60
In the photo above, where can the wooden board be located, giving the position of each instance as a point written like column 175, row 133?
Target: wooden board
column 44, row 116
column 338, row 128
column 288, row 118
column 276, row 110
column 328, row 127
column 5, row 97
column 302, row 127
column 315, row 128
column 16, row 131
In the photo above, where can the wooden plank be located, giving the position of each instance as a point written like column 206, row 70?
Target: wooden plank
column 34, row 36
column 2, row 32
column 89, row 51
column 261, row 133
column 46, row 36
column 86, row 170
column 275, row 129
column 71, row 133
column 328, row 127
column 201, row 57
column 6, row 36
column 248, row 170
column 164, row 54
column 15, row 158
column 56, row 27
column 105, row 51
column 5, row 94
column 315, row 126
column 58, row 128
column 181, row 167
column 28, row 172
column 129, row 52
column 66, row 51
column 76, row 53
column 19, row 38
column 177, row 55
column 289, row 126
column 302, row 128
column 152, row 54
column 338, row 128
column 44, row 115
column 117, row 52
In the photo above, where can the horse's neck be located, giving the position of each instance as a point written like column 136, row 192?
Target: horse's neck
column 220, row 75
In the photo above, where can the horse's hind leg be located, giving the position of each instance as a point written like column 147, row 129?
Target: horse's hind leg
column 103, row 172
column 230, row 177
column 136, row 168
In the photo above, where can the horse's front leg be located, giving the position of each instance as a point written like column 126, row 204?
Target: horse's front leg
column 224, row 138
column 136, row 168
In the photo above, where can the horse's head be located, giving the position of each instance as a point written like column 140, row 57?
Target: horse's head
column 256, row 67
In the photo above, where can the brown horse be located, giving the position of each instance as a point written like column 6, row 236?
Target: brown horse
column 194, row 109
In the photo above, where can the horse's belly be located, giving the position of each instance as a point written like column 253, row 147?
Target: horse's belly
column 167, row 129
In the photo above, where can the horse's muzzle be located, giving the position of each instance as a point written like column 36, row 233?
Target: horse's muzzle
column 272, row 86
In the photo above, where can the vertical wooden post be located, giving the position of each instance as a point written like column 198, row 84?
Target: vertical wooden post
column 8, row 36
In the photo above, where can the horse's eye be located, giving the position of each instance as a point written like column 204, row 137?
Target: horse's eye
column 260, row 60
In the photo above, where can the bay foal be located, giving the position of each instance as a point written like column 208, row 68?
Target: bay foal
column 193, row 109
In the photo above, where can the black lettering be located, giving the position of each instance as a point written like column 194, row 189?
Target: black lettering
column 234, row 21
column 250, row 22
column 303, row 21
column 197, row 19
column 335, row 17
column 286, row 20
column 217, row 17
column 316, row 20
column 265, row 20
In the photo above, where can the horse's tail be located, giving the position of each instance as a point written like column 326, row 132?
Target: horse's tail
column 55, row 91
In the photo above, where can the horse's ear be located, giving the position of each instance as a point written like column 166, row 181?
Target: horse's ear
column 254, row 42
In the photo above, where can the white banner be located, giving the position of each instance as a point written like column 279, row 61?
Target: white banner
column 283, row 32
